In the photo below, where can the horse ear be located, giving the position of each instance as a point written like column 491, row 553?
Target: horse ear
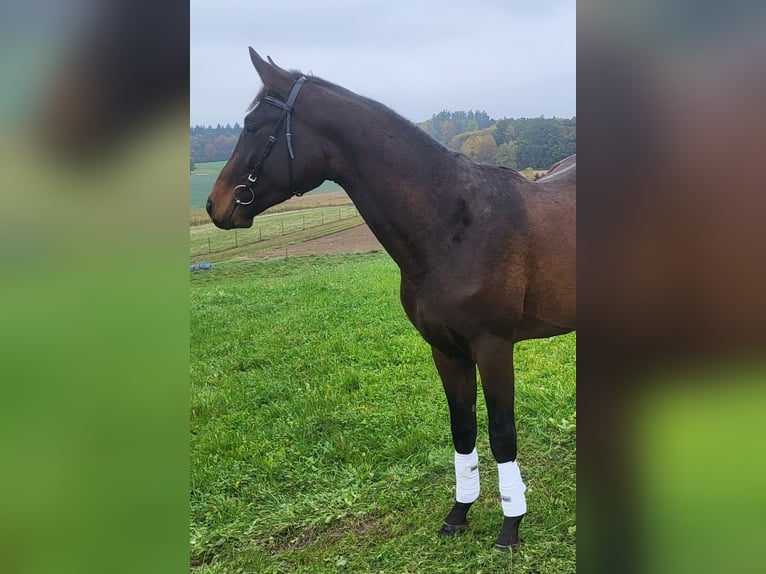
column 271, row 75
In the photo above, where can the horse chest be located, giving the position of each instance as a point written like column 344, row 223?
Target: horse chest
column 442, row 315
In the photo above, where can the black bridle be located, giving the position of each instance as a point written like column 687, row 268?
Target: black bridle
column 287, row 108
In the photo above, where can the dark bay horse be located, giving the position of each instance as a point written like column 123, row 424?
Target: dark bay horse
column 487, row 258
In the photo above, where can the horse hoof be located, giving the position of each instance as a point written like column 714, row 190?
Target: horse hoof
column 509, row 535
column 453, row 529
column 502, row 547
column 456, row 521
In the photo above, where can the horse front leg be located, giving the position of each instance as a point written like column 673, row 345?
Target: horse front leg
column 495, row 360
column 459, row 379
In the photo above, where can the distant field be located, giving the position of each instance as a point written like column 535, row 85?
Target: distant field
column 209, row 168
column 268, row 231
column 198, row 215
column 202, row 179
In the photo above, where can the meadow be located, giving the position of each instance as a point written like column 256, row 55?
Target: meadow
column 320, row 436
column 203, row 177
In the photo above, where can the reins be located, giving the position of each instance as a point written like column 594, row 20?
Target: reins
column 287, row 109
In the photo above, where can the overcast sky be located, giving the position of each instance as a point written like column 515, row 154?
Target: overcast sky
column 510, row 58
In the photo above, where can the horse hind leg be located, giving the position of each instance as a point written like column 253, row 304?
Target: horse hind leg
column 495, row 360
column 459, row 379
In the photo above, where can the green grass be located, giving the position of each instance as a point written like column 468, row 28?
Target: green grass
column 320, row 435
column 199, row 189
column 209, row 168
column 203, row 177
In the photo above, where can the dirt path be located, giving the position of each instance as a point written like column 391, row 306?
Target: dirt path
column 358, row 239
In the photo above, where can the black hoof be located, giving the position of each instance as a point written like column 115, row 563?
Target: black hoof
column 456, row 521
column 453, row 529
column 505, row 548
column 509, row 534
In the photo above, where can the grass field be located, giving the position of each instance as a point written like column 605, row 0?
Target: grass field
column 320, row 435
column 203, row 177
column 201, row 181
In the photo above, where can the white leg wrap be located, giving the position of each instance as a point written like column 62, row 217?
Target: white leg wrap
column 467, row 476
column 511, row 489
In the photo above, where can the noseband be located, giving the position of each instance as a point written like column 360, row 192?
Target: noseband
column 287, row 108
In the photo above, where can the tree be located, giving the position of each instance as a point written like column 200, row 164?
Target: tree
column 213, row 144
column 506, row 155
column 446, row 125
column 447, row 131
column 504, row 131
column 480, row 147
column 482, row 119
column 192, row 165
column 209, row 152
column 224, row 145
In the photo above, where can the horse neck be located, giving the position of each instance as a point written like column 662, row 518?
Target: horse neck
column 401, row 181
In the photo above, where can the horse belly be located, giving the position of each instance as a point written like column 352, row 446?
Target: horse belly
column 550, row 271
column 550, row 304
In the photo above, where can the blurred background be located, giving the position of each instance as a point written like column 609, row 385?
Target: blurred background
column 93, row 248
column 671, row 284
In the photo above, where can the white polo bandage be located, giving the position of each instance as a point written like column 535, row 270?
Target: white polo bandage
column 511, row 489
column 467, row 476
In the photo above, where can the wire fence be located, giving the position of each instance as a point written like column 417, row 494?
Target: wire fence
column 204, row 240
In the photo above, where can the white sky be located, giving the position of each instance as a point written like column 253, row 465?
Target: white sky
column 511, row 58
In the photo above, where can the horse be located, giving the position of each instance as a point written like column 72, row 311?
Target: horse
column 486, row 257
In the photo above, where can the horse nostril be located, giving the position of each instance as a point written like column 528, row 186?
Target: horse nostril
column 209, row 207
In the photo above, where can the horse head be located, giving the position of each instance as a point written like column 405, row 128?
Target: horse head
column 278, row 154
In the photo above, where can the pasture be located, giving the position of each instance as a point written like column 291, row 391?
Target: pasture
column 320, row 436
column 277, row 229
column 201, row 181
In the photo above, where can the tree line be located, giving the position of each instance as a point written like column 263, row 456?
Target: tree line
column 213, row 143
column 515, row 142
column 518, row 143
